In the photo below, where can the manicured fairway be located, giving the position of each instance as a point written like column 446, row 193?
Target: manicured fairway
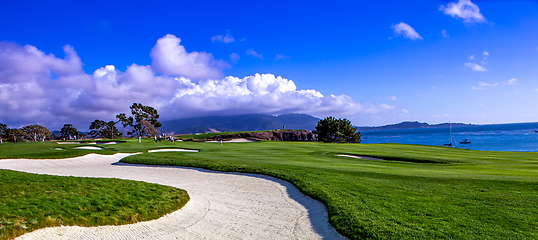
column 423, row 192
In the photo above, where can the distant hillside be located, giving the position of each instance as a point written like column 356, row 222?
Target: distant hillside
column 247, row 122
column 410, row 125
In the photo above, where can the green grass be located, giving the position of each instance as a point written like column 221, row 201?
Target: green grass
column 32, row 201
column 423, row 192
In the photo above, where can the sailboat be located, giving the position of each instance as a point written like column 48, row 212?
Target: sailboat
column 452, row 143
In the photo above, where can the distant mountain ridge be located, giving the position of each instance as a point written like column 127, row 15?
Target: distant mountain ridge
column 415, row 124
column 246, row 122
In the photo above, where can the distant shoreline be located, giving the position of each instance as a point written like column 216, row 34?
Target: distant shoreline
column 412, row 125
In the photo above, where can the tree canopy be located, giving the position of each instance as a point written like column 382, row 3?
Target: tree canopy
column 102, row 129
column 68, row 131
column 332, row 130
column 144, row 120
column 36, row 132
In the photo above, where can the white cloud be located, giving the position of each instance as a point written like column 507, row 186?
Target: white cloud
column 405, row 110
column 405, row 30
column 511, row 81
column 223, row 38
column 444, row 33
column 484, row 85
column 476, row 67
column 392, row 98
column 170, row 58
column 281, row 57
column 254, row 53
column 385, row 106
column 234, row 57
column 463, row 9
column 29, row 95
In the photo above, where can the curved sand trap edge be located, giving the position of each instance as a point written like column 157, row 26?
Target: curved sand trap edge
column 173, row 150
column 89, row 148
column 222, row 205
column 58, row 149
column 361, row 157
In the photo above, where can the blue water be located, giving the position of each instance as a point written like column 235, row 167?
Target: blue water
column 498, row 137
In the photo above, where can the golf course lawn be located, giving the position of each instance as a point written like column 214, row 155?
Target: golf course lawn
column 419, row 192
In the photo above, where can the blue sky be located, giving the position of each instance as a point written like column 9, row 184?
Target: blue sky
column 373, row 62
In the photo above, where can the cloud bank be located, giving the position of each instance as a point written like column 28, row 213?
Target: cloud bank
column 40, row 88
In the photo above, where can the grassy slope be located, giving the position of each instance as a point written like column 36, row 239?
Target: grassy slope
column 429, row 192
column 32, row 201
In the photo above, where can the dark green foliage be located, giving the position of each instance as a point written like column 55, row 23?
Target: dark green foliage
column 102, row 129
column 144, row 120
column 32, row 201
column 69, row 131
column 332, row 130
column 36, row 133
column 14, row 135
column 3, row 128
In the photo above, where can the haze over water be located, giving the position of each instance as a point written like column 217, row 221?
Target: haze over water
column 498, row 137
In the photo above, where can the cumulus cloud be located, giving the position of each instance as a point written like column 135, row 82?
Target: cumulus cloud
column 444, row 33
column 250, row 51
column 484, row 85
column 170, row 57
column 463, row 9
column 511, row 81
column 29, row 94
column 405, row 30
column 223, row 38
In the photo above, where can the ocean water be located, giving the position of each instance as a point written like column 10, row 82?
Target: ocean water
column 497, row 137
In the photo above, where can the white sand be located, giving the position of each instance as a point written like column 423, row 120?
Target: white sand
column 89, row 148
column 361, row 157
column 172, row 150
column 222, row 205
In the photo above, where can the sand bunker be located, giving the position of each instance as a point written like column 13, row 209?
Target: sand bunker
column 58, row 149
column 361, row 157
column 221, row 205
column 89, row 148
column 172, row 150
